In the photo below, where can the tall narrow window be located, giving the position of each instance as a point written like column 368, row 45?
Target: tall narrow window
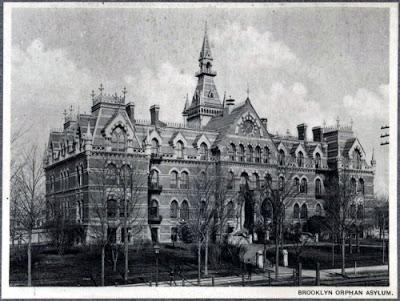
column 184, row 180
column 266, row 209
column 318, row 210
column 154, row 178
column 241, row 153
column 155, row 147
column 304, row 212
column 318, row 160
column 281, row 158
column 353, row 186
column 318, row 188
column 203, row 151
column 268, row 181
column 174, row 179
column 256, row 181
column 361, row 187
column 257, row 155
column 231, row 180
column 357, row 159
column 249, row 154
column 303, row 186
column 266, row 155
column 296, row 211
column 185, row 210
column 174, row 209
column 112, row 208
column 300, row 159
column 232, row 152
column 118, row 139
column 296, row 184
column 154, row 209
column 281, row 183
column 360, row 211
column 179, row 149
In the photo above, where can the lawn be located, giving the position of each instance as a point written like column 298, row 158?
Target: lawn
column 82, row 267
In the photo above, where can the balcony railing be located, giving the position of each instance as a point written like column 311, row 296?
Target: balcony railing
column 155, row 187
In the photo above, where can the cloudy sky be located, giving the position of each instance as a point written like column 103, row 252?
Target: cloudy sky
column 301, row 64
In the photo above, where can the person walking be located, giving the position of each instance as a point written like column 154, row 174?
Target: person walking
column 249, row 268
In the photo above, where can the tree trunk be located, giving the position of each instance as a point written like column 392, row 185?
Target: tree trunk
column 198, row 260
column 276, row 252
column 126, row 253
column 102, row 264
column 265, row 253
column 29, row 258
column 333, row 252
column 357, row 241
column 343, row 253
column 350, row 245
column 206, row 256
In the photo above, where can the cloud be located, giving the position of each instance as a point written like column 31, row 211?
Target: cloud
column 368, row 104
column 167, row 86
column 45, row 81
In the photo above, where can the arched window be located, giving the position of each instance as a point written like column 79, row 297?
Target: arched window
column 303, row 186
column 230, row 210
column 266, row 154
column 357, row 159
column 303, row 212
column 185, row 210
column 361, row 188
column 318, row 163
column 231, row 180
column 352, row 211
column 268, row 181
column 112, row 207
column 78, row 176
column 318, row 188
column 111, row 174
column 82, row 175
column 281, row 183
column 174, row 209
column 174, row 179
column 257, row 154
column 244, row 179
column 266, row 209
column 241, row 153
column 296, row 211
column 256, row 181
column 154, row 178
column 296, row 184
column 179, row 149
column 203, row 151
column 118, row 139
column 281, row 157
column 249, row 154
column 122, row 208
column 353, row 186
column 155, row 146
column 232, row 152
column 154, row 209
column 300, row 159
column 125, row 175
column 360, row 211
column 184, row 180
column 318, row 210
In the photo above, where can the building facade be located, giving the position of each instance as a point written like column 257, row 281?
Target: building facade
column 165, row 158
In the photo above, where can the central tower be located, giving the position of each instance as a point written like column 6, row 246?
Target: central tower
column 205, row 102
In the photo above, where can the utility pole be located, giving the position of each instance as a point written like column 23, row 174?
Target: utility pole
column 385, row 135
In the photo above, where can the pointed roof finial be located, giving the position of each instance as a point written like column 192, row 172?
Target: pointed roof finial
column 248, row 91
column 92, row 95
column 124, row 92
column 373, row 154
column 101, row 89
column 337, row 121
column 187, row 104
column 88, row 131
column 205, row 52
column 351, row 123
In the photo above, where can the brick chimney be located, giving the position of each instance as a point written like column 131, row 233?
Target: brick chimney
column 317, row 134
column 154, row 110
column 130, row 110
column 302, row 131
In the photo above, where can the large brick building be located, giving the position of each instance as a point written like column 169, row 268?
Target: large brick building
column 230, row 135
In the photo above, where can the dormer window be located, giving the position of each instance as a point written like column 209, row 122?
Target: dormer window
column 357, row 159
column 300, row 159
column 179, row 150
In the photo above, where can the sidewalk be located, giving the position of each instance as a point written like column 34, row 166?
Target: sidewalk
column 285, row 276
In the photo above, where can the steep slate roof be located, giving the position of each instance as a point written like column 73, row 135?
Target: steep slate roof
column 347, row 146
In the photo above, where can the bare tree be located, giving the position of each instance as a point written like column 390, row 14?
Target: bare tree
column 28, row 198
column 278, row 196
column 340, row 208
column 117, row 204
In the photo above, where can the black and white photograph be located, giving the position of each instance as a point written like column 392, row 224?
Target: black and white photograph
column 208, row 150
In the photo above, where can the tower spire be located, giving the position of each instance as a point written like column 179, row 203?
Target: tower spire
column 205, row 52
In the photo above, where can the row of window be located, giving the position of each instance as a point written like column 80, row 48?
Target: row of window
column 179, row 149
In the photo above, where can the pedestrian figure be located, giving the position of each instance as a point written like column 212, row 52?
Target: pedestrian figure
column 172, row 276
column 249, row 268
